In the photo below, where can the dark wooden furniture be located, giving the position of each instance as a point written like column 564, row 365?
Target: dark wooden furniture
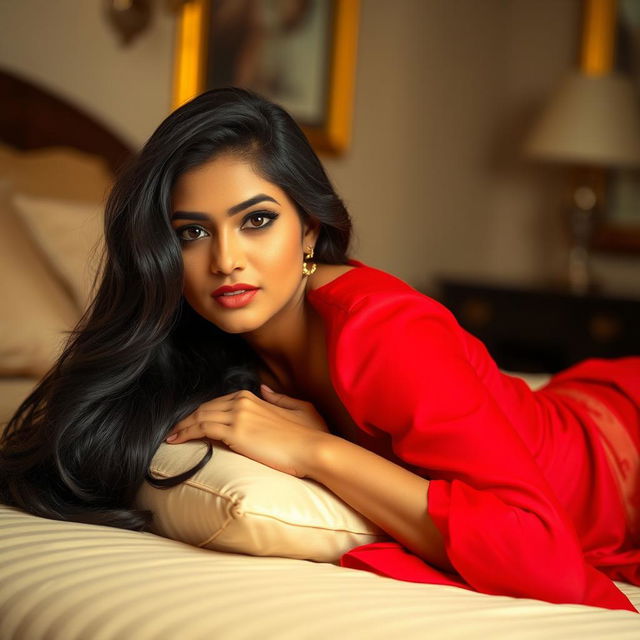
column 543, row 330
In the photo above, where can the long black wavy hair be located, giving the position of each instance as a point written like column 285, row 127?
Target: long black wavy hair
column 141, row 359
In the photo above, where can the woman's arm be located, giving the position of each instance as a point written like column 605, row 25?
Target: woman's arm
column 386, row 493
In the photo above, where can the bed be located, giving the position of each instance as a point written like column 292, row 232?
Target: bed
column 72, row 581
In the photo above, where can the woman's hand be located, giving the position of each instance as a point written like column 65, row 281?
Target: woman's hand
column 281, row 432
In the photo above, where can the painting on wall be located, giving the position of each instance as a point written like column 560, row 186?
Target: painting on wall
column 297, row 53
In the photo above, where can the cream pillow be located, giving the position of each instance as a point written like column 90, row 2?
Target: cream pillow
column 70, row 235
column 56, row 172
column 35, row 308
column 237, row 504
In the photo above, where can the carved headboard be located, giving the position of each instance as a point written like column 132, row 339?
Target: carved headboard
column 32, row 117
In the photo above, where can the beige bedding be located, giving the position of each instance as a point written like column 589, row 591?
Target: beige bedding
column 71, row 581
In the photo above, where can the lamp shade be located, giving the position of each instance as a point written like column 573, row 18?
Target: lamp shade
column 590, row 120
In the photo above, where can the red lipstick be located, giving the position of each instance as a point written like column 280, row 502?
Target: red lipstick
column 232, row 287
column 234, row 300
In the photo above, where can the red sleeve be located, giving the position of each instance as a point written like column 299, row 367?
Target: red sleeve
column 402, row 368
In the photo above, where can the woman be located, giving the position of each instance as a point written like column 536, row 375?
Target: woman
column 226, row 269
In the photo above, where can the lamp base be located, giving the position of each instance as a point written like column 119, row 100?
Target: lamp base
column 561, row 283
column 582, row 218
column 579, row 277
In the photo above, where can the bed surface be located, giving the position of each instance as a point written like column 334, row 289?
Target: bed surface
column 71, row 581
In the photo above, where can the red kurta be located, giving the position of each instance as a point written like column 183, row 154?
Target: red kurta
column 534, row 492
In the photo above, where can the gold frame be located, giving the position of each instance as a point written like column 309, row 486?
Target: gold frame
column 189, row 69
column 597, row 57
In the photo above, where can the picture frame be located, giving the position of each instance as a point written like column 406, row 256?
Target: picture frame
column 604, row 48
column 301, row 55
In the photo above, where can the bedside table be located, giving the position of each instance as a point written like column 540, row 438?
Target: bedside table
column 538, row 330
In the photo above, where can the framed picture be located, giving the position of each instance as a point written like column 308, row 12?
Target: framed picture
column 610, row 40
column 300, row 54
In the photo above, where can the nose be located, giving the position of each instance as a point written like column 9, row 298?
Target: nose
column 226, row 253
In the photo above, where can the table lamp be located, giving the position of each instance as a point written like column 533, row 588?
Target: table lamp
column 591, row 124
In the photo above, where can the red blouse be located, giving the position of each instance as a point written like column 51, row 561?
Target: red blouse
column 521, row 486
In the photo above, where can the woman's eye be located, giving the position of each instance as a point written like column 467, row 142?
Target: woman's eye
column 256, row 220
column 184, row 233
column 253, row 222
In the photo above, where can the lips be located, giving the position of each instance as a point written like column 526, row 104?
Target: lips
column 234, row 287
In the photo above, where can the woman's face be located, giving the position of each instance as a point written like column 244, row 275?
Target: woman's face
column 236, row 227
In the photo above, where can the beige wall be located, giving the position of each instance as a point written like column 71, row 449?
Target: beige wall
column 445, row 90
column 426, row 94
column 67, row 46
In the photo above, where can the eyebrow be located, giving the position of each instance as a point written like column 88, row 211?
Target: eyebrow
column 195, row 215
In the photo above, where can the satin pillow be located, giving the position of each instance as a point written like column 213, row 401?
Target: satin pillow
column 56, row 172
column 239, row 505
column 36, row 311
column 69, row 234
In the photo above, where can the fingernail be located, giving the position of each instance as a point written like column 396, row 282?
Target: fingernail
column 264, row 386
column 173, row 437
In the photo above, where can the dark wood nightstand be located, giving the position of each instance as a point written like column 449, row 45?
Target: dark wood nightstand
column 542, row 330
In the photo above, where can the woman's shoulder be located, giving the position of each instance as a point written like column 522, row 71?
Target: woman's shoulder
column 350, row 285
column 377, row 303
column 338, row 280
column 326, row 273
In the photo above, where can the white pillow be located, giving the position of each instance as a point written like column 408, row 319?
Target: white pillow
column 237, row 504
column 35, row 310
column 70, row 236
column 56, row 172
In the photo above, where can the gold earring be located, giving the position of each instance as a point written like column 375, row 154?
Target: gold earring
column 305, row 269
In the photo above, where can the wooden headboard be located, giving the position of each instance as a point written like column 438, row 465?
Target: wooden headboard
column 32, row 117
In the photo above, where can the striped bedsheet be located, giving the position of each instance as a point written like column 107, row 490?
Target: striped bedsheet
column 71, row 581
